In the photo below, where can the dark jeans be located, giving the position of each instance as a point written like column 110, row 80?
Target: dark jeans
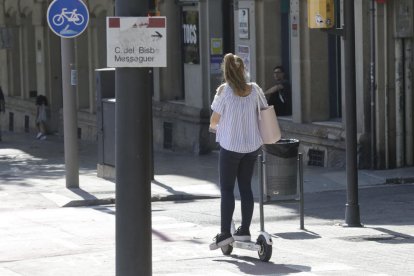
column 232, row 166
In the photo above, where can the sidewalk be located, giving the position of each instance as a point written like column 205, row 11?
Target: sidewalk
column 39, row 238
column 178, row 176
column 39, row 166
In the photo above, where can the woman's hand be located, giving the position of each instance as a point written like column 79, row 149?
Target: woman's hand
column 214, row 120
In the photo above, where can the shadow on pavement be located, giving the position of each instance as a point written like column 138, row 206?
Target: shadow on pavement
column 82, row 193
column 379, row 205
column 158, row 234
column 204, row 167
column 168, row 188
column 23, row 156
column 391, row 237
column 51, row 152
column 252, row 266
column 306, row 235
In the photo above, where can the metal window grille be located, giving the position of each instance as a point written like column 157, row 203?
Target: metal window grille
column 316, row 158
column 26, row 124
column 11, row 121
column 168, row 135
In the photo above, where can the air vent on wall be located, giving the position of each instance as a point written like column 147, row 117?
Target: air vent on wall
column 316, row 158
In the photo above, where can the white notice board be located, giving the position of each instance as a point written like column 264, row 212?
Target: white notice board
column 136, row 41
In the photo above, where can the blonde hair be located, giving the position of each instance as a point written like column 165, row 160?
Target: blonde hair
column 234, row 73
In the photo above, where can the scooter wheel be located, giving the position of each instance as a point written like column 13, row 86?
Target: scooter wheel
column 265, row 251
column 227, row 249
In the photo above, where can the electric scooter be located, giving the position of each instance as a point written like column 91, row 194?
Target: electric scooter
column 263, row 244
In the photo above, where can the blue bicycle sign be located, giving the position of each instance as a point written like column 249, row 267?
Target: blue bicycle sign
column 67, row 18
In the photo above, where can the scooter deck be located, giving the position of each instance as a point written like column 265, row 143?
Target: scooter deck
column 248, row 245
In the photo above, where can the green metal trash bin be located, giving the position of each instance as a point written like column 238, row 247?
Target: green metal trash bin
column 281, row 168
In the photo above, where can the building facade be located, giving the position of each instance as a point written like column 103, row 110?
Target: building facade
column 265, row 33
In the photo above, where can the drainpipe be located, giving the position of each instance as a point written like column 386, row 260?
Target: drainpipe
column 386, row 127
column 408, row 78
column 372, row 85
column 399, row 102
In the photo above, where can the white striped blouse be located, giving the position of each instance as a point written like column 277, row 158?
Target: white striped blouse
column 238, row 128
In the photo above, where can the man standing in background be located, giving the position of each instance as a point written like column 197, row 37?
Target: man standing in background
column 280, row 95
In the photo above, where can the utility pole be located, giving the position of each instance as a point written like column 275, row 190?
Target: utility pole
column 70, row 115
column 352, row 206
column 132, row 159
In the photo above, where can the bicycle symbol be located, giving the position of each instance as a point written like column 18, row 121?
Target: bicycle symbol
column 70, row 16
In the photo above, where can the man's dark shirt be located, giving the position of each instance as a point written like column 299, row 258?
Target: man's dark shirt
column 282, row 100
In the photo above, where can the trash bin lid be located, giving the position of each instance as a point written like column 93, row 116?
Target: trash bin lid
column 284, row 148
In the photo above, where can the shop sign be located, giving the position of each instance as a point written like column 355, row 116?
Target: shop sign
column 191, row 40
column 244, row 23
column 216, row 55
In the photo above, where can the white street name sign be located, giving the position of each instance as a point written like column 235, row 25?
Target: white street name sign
column 136, row 41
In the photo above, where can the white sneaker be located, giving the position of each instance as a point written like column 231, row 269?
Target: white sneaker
column 43, row 137
column 39, row 135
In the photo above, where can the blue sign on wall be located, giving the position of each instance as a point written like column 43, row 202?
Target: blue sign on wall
column 67, row 18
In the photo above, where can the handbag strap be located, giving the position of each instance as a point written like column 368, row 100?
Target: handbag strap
column 220, row 89
column 259, row 99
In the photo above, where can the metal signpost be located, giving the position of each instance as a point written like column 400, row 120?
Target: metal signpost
column 352, row 218
column 132, row 42
column 68, row 19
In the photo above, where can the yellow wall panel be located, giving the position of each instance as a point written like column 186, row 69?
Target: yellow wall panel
column 321, row 14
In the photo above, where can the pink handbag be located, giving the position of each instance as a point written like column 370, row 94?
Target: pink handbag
column 268, row 124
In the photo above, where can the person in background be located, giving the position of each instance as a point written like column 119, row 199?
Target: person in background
column 280, row 95
column 235, row 121
column 2, row 109
column 41, row 117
